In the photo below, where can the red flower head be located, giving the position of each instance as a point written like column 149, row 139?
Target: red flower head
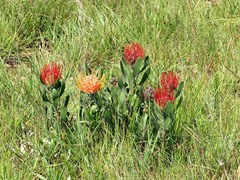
column 132, row 52
column 162, row 96
column 50, row 73
column 169, row 81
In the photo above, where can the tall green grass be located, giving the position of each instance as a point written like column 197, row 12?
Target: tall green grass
column 198, row 39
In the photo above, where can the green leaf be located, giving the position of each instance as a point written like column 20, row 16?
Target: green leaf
column 167, row 124
column 179, row 89
column 88, row 115
column 134, row 102
column 81, row 113
column 66, row 101
column 122, row 99
column 137, row 66
column 179, row 103
column 107, row 115
column 169, row 108
column 123, row 70
column 157, row 124
column 157, row 112
column 127, row 73
column 120, row 83
column 94, row 108
column 62, row 88
column 146, row 63
column 63, row 115
column 146, row 60
column 54, row 94
column 58, row 84
column 47, row 104
column 145, row 76
column 99, row 98
column 130, row 81
column 44, row 97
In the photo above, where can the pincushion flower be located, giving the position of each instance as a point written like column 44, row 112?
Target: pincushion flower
column 169, row 81
column 132, row 52
column 90, row 83
column 50, row 74
column 162, row 97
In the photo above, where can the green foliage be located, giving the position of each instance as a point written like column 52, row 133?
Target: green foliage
column 59, row 117
column 164, row 122
column 182, row 36
column 116, row 107
column 121, row 109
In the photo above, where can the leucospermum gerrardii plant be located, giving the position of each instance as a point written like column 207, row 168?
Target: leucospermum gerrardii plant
column 53, row 89
column 165, row 109
column 91, row 103
column 122, row 106
column 116, row 107
column 126, row 105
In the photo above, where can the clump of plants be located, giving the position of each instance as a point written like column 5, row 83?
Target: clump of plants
column 52, row 92
column 126, row 107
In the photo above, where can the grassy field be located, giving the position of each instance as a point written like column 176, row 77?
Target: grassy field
column 198, row 39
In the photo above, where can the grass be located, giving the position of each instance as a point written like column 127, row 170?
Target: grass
column 198, row 39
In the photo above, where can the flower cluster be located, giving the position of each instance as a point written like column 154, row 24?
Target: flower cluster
column 90, row 83
column 169, row 82
column 123, row 106
column 132, row 52
column 50, row 74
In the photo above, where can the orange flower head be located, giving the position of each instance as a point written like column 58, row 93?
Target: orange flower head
column 132, row 52
column 90, row 83
column 169, row 81
column 162, row 97
column 50, row 74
